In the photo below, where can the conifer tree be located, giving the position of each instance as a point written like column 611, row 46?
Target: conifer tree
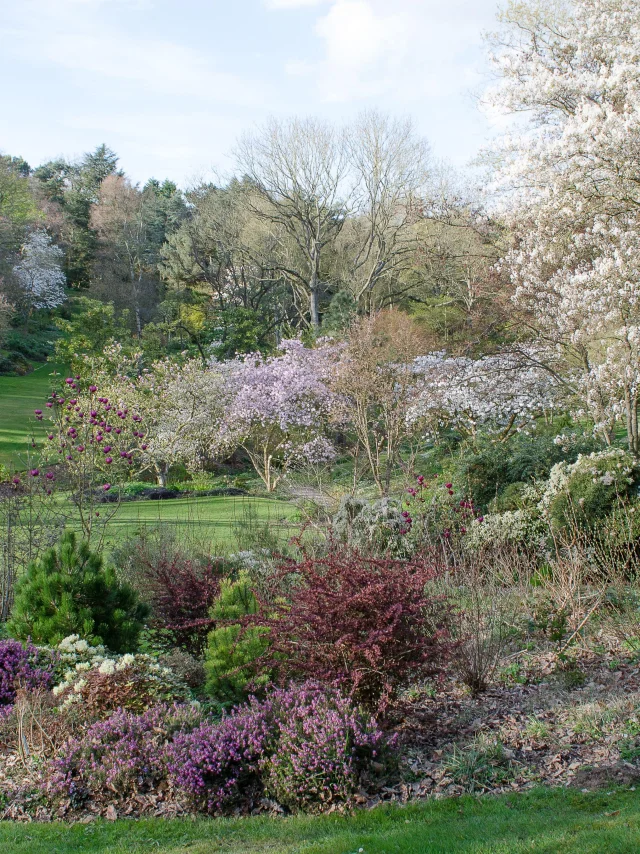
column 70, row 591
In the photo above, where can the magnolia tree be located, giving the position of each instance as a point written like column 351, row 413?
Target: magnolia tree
column 94, row 439
column 571, row 182
column 277, row 408
column 39, row 271
column 500, row 393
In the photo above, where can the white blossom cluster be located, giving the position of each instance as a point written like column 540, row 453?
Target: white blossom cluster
column 39, row 271
column 571, row 191
column 501, row 391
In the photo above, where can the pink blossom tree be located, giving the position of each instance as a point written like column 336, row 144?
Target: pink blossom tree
column 277, row 409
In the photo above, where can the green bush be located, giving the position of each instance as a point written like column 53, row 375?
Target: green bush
column 69, row 591
column 586, row 492
column 485, row 473
column 233, row 646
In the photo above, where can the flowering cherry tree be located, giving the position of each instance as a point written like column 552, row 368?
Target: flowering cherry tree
column 277, row 407
column 572, row 193
column 39, row 272
column 502, row 393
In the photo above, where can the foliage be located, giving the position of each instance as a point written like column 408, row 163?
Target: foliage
column 133, row 682
column 583, row 493
column 217, row 764
column 486, row 471
column 360, row 621
column 118, row 758
column 306, row 745
column 323, row 746
column 180, row 594
column 68, row 591
column 235, row 646
column 21, row 667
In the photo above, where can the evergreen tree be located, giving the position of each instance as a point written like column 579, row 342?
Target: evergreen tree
column 70, row 591
column 233, row 646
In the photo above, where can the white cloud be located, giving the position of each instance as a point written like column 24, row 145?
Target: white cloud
column 407, row 49
column 292, row 4
column 85, row 44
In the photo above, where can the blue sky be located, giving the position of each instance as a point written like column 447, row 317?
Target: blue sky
column 170, row 84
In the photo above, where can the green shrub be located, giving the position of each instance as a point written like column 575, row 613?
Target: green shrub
column 586, row 492
column 233, row 646
column 69, row 591
column 484, row 474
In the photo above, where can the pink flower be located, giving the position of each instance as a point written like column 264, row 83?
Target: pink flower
column 108, row 461
column 448, row 485
column 93, row 388
column 107, row 487
column 34, row 472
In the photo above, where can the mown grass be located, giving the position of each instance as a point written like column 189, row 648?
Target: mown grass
column 218, row 520
column 19, row 396
column 541, row 822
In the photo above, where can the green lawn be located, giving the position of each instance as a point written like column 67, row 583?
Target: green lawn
column 19, row 396
column 207, row 518
column 542, row 822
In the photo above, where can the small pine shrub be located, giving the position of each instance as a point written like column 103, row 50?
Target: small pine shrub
column 70, row 591
column 236, row 645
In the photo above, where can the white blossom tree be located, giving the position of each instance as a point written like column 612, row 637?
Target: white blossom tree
column 571, row 183
column 39, row 271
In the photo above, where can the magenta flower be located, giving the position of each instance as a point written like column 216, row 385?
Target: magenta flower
column 69, row 381
column 49, row 475
column 448, row 485
column 107, row 487
column 34, row 472
column 93, row 388
column 108, row 461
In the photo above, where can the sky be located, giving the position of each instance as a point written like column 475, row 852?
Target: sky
column 171, row 84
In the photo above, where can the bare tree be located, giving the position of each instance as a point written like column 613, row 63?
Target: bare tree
column 298, row 168
column 390, row 167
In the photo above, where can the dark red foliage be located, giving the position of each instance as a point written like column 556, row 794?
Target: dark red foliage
column 365, row 623
column 180, row 593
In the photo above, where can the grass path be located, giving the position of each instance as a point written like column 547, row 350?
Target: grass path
column 542, row 822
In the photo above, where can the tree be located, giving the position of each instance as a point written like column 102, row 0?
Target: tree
column 73, row 188
column 375, row 386
column 39, row 272
column 277, row 408
column 297, row 169
column 69, row 591
column 576, row 214
column 389, row 168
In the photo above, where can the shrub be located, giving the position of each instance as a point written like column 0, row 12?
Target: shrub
column 323, row 747
column 69, row 591
column 486, row 472
column 131, row 682
column 118, row 758
column 218, row 765
column 235, row 646
column 363, row 622
column 22, row 667
column 585, row 492
column 180, row 593
column 306, row 745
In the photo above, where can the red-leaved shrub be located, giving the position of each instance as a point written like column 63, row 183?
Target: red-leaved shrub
column 180, row 593
column 362, row 622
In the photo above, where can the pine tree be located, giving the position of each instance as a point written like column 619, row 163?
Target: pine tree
column 69, row 591
column 234, row 647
